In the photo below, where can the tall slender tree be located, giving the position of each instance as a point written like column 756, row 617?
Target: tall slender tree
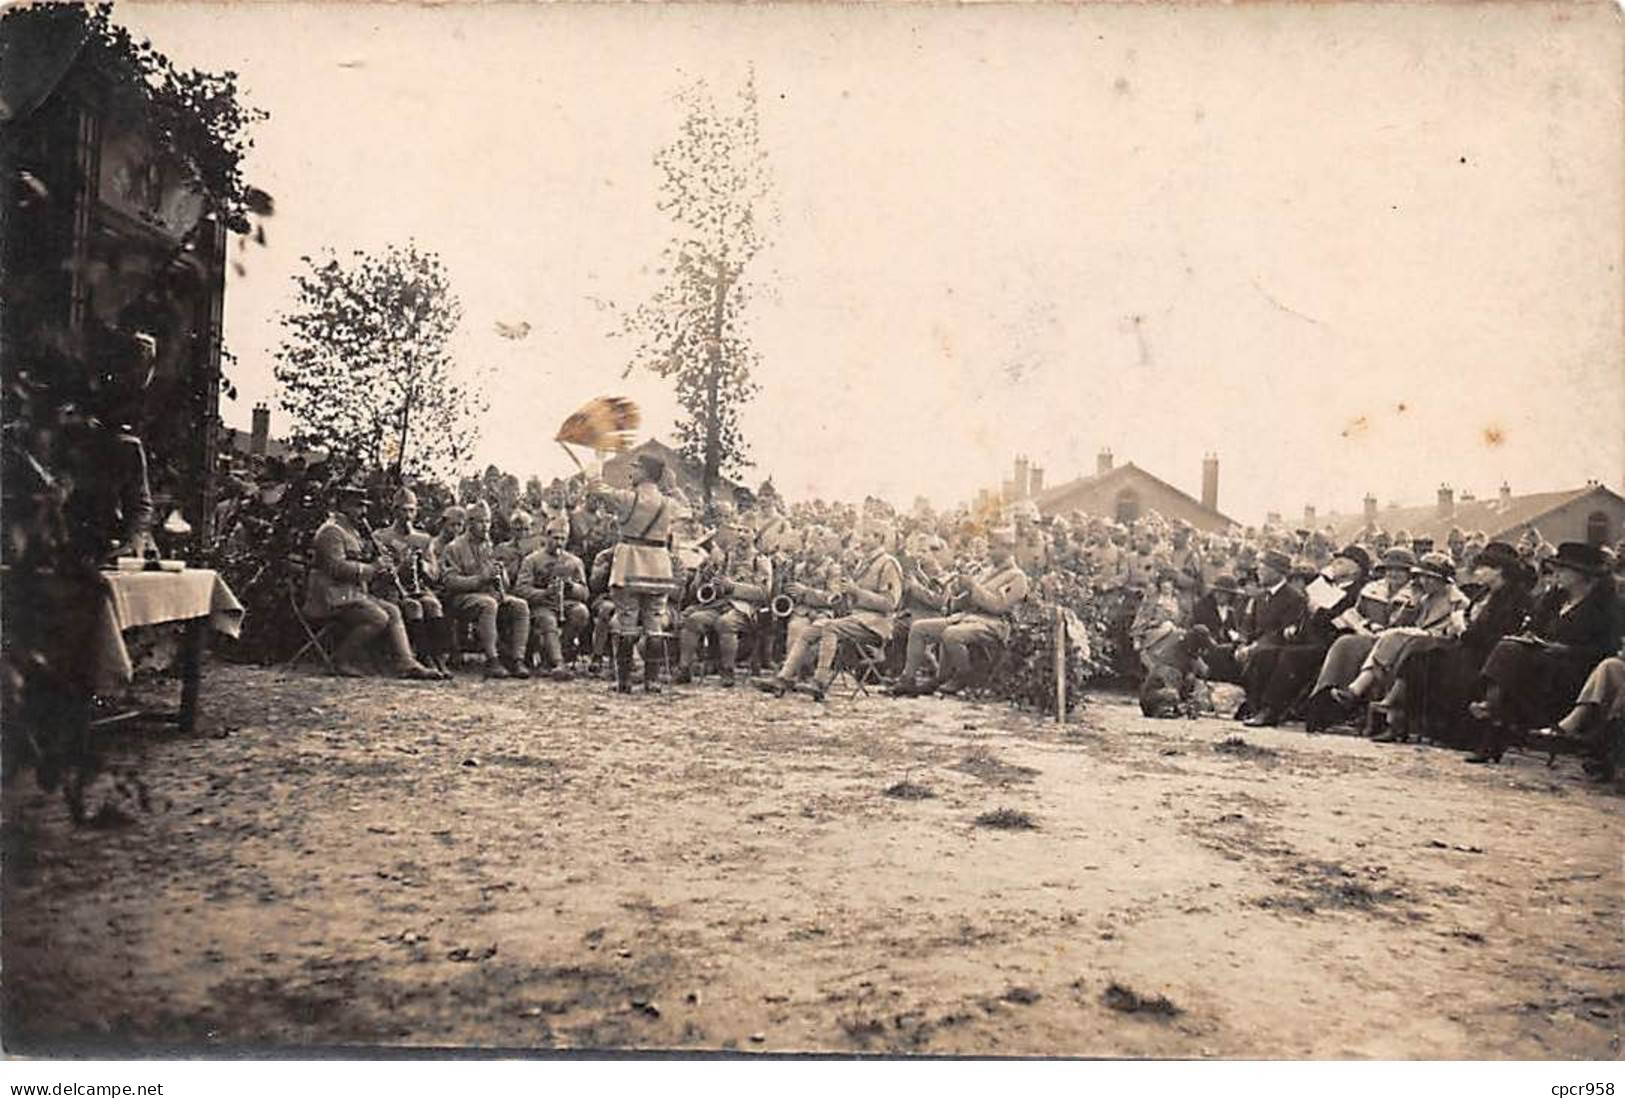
column 366, row 366
column 717, row 189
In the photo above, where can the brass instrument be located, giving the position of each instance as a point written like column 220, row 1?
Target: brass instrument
column 782, row 606
column 707, row 592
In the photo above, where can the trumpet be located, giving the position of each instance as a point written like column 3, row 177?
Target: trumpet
column 707, row 592
column 782, row 606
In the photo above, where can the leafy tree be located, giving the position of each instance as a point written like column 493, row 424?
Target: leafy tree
column 366, row 367
column 717, row 191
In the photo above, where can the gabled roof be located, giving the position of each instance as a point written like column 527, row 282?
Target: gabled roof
column 1125, row 471
column 1492, row 516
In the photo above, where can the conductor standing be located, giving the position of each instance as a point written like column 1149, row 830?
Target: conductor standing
column 640, row 577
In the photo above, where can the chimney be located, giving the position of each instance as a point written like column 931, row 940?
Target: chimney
column 262, row 430
column 1210, row 482
column 1021, row 482
column 1447, row 502
column 1309, row 515
column 1035, row 480
column 1103, row 462
column 1506, row 494
column 1370, row 509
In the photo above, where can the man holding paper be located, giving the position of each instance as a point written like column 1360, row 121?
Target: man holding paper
column 1330, row 596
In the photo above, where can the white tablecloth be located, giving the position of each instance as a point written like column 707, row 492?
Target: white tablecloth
column 152, row 598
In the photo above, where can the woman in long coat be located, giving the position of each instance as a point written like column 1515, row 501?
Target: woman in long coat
column 1531, row 679
column 1442, row 677
column 1436, row 615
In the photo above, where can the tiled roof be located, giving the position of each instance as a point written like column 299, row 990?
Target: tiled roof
column 1119, row 472
column 1492, row 516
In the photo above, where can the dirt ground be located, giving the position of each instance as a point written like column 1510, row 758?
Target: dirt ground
column 544, row 866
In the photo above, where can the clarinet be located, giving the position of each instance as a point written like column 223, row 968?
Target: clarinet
column 375, row 557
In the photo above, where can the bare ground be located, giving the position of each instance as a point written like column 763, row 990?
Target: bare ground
column 536, row 866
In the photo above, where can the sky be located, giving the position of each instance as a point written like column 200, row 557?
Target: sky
column 1349, row 248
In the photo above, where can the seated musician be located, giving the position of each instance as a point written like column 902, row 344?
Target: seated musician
column 453, row 521
column 872, row 595
column 336, row 588
column 740, row 582
column 478, row 589
column 601, row 606
column 552, row 580
column 523, row 540
column 990, row 597
column 411, row 551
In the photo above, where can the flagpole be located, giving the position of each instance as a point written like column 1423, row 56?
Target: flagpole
column 572, row 455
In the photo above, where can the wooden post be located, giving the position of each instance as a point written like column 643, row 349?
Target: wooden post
column 1060, row 667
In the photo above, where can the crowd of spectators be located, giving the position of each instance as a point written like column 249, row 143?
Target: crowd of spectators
column 1470, row 643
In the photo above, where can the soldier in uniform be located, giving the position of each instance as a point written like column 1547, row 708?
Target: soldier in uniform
column 640, row 576
column 552, row 580
column 478, row 586
column 874, row 595
column 336, row 588
column 413, row 553
column 521, row 543
column 453, row 521
column 992, row 595
column 743, row 578
column 602, row 606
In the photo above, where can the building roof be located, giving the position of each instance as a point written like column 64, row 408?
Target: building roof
column 1492, row 516
column 1128, row 470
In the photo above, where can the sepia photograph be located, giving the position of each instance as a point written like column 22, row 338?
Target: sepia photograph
column 893, row 531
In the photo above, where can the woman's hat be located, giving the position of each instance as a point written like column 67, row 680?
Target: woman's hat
column 1356, row 554
column 1577, row 556
column 1399, row 557
column 1438, row 565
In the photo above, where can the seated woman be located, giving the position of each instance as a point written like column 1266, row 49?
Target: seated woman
column 1378, row 604
column 1597, row 719
column 1530, row 679
column 1158, row 621
column 1436, row 680
column 1438, row 613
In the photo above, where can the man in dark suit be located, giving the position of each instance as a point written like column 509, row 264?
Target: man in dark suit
column 1220, row 611
column 1278, row 607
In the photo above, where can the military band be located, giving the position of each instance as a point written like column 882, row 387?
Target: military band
column 742, row 589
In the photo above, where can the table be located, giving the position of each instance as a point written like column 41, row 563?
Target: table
column 196, row 596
